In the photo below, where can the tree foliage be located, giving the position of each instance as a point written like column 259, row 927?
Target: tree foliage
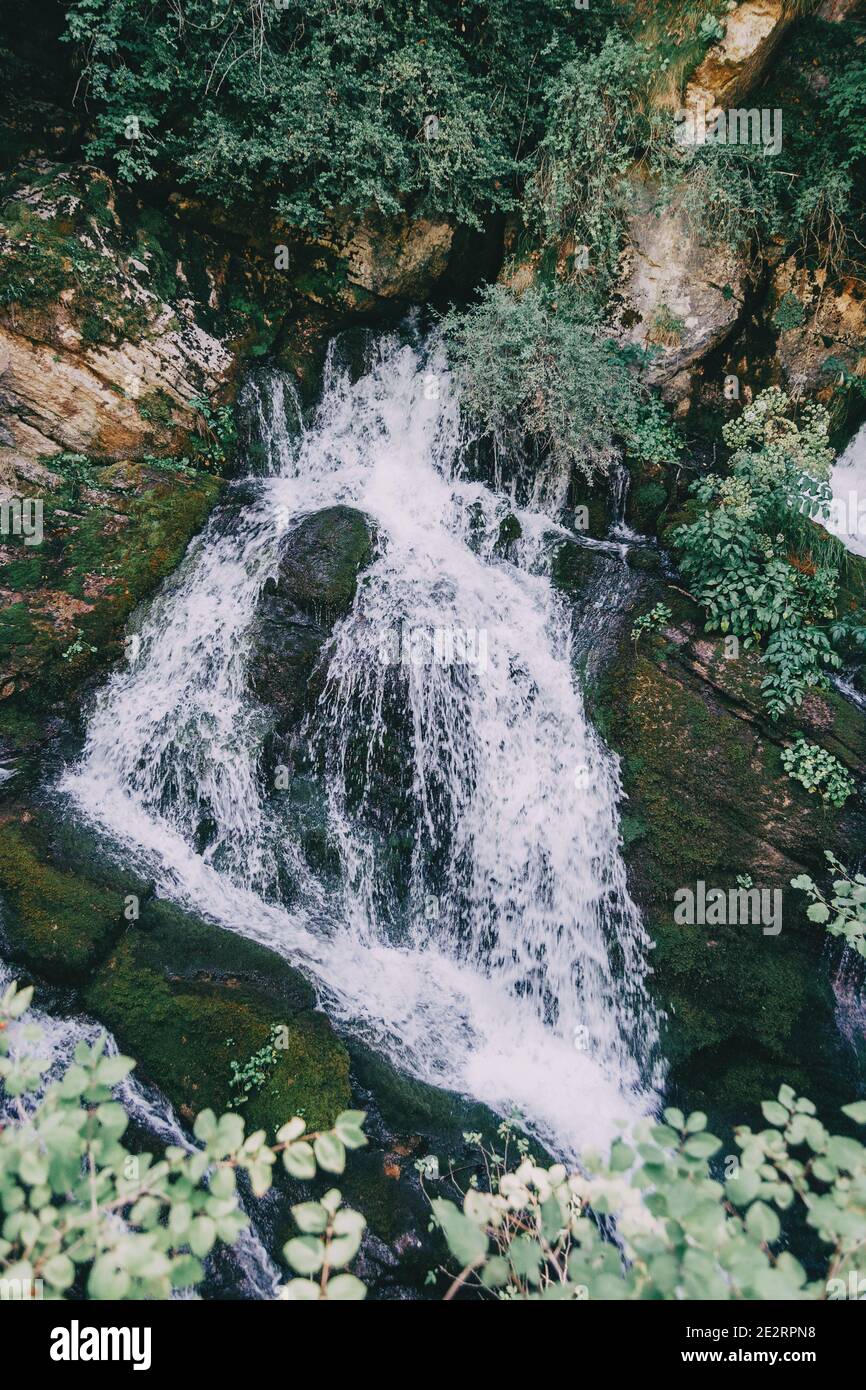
column 315, row 106
column 540, row 364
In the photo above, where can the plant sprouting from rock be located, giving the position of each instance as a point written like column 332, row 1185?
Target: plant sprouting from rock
column 653, row 621
column 540, row 365
column 818, row 771
column 843, row 914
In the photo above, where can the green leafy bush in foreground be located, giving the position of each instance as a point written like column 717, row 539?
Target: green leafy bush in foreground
column 843, row 914
column 82, row 1214
column 685, row 1232
column 693, row 1223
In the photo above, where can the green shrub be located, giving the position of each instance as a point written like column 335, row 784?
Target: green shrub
column 845, row 913
column 684, row 1230
column 750, row 554
column 85, row 1216
column 789, row 314
column 539, row 364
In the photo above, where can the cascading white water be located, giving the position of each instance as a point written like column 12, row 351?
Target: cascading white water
column 513, row 966
column 847, row 515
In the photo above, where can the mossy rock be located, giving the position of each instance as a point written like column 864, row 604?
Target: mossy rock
column 315, row 585
column 320, row 561
column 182, row 995
column 702, row 770
column 57, row 923
column 645, row 505
column 187, row 998
column 111, row 535
column 409, row 1120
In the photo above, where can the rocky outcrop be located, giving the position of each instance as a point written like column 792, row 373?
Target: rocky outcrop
column 677, row 295
column 392, row 258
column 709, row 800
column 734, row 65
column 106, row 536
column 113, row 327
column 821, row 327
column 92, row 359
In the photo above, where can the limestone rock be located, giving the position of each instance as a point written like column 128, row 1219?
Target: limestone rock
column 821, row 326
column 676, row 293
column 734, row 64
column 836, row 11
column 397, row 258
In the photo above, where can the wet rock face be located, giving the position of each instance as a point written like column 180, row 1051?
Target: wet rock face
column 708, row 800
column 315, row 585
column 320, row 564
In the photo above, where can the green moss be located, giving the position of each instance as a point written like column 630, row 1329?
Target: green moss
column 18, row 728
column 58, row 924
column 186, row 1039
column 707, row 792
column 187, row 998
column 111, row 535
column 16, row 627
column 157, row 407
column 646, row 505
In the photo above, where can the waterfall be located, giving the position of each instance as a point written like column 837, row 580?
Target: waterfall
column 847, row 517
column 503, row 957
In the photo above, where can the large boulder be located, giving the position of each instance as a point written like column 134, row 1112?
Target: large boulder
column 678, row 293
column 109, row 534
column 314, row 586
column 392, row 258
column 734, row 65
column 185, row 997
